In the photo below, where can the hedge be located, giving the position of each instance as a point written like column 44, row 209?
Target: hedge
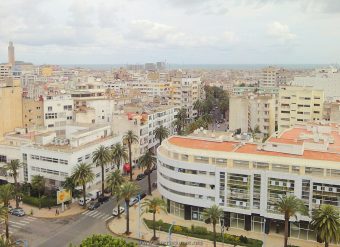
column 105, row 241
column 203, row 233
column 45, row 201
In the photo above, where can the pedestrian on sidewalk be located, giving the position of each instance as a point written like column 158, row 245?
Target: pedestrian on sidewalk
column 56, row 212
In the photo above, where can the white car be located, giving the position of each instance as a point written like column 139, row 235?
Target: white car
column 81, row 201
column 115, row 211
column 133, row 201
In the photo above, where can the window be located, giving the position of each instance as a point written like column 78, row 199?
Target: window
column 261, row 166
column 87, row 156
column 49, row 108
column 80, row 159
column 3, row 158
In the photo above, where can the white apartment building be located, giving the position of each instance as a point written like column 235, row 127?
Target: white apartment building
column 269, row 77
column 58, row 111
column 185, row 90
column 143, row 122
column 299, row 105
column 249, row 112
column 246, row 179
column 327, row 80
column 55, row 157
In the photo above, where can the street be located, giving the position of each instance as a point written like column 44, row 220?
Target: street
column 216, row 116
column 62, row 232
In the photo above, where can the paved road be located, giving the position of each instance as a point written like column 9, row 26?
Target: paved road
column 61, row 232
column 217, row 115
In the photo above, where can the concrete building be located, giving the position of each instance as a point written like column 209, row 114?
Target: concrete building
column 143, row 120
column 5, row 71
column 246, row 180
column 298, row 105
column 10, row 106
column 32, row 113
column 335, row 112
column 58, row 111
column 251, row 112
column 269, row 77
column 55, row 157
column 11, row 55
column 185, row 90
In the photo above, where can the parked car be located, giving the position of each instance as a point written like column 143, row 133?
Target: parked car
column 133, row 201
column 81, row 201
column 142, row 195
column 94, row 194
column 18, row 212
column 140, row 176
column 93, row 205
column 103, row 199
column 115, row 211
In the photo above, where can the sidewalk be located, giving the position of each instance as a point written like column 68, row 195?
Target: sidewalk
column 73, row 209
column 118, row 226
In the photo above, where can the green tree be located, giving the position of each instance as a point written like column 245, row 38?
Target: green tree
column 129, row 138
column 161, row 133
column 128, row 190
column 198, row 106
column 326, row 223
column 119, row 154
column 213, row 214
column 6, row 242
column 6, row 194
column 13, row 168
column 180, row 120
column 224, row 105
column 105, row 240
column 148, row 160
column 289, row 206
column 154, row 205
column 38, row 183
column 114, row 181
column 81, row 175
column 69, row 184
column 101, row 157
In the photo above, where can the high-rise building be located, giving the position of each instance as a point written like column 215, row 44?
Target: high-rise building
column 254, row 112
column 299, row 105
column 11, row 56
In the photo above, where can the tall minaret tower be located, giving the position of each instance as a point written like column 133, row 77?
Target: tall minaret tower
column 11, row 57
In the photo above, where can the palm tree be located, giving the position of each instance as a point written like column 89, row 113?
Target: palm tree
column 213, row 214
column 13, row 168
column 6, row 194
column 38, row 183
column 326, row 222
column 154, row 205
column 161, row 133
column 129, row 138
column 119, row 154
column 69, row 185
column 128, row 190
column 180, row 120
column 114, row 181
column 81, row 175
column 5, row 242
column 101, row 157
column 289, row 206
column 148, row 160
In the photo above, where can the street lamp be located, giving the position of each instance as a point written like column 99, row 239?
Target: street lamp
column 174, row 222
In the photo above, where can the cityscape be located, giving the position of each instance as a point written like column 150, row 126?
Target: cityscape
column 169, row 123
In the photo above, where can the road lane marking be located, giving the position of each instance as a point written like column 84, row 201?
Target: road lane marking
column 95, row 214
column 15, row 226
column 92, row 213
column 109, row 218
column 85, row 212
column 18, row 223
column 30, row 218
column 24, row 221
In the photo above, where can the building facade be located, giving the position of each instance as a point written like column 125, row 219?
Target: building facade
column 299, row 105
column 246, row 180
column 32, row 113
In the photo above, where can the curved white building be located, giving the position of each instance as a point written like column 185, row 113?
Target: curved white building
column 246, row 180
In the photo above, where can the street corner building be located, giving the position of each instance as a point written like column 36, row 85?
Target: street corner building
column 247, row 179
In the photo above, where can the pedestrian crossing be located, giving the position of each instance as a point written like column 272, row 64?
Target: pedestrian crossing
column 97, row 215
column 17, row 225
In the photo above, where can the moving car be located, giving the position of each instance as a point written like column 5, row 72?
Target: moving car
column 81, row 201
column 142, row 195
column 115, row 211
column 140, row 176
column 133, row 201
column 93, row 205
column 103, row 198
column 18, row 212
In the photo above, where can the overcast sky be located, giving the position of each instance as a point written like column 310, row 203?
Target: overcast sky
column 178, row 31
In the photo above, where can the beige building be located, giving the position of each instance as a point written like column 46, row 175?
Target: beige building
column 32, row 113
column 10, row 106
column 335, row 112
column 299, row 105
column 251, row 112
column 11, row 56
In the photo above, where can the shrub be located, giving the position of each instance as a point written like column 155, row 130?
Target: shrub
column 45, row 202
column 105, row 240
column 178, row 229
column 199, row 230
column 243, row 239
